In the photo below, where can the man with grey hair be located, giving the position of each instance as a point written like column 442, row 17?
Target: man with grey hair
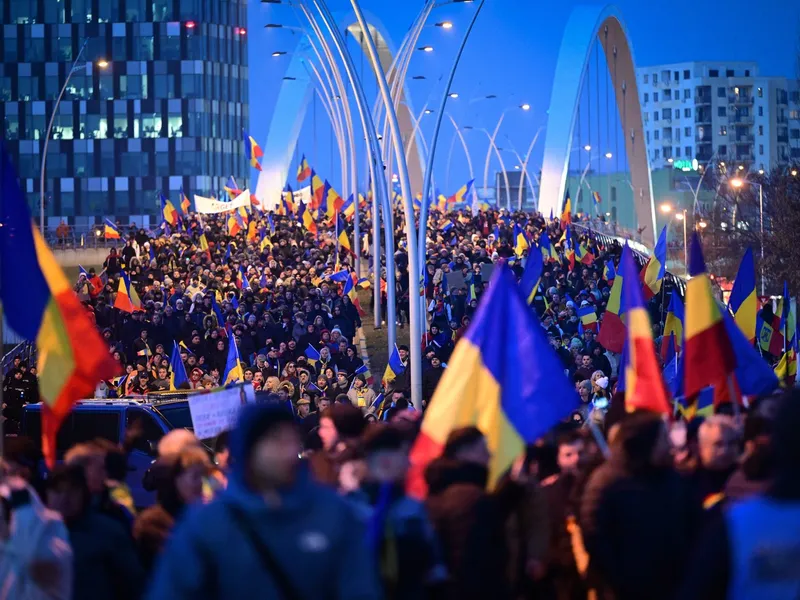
column 718, row 451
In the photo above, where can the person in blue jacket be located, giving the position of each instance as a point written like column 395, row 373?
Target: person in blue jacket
column 273, row 533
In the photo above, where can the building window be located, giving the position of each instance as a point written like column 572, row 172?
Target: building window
column 794, row 134
column 687, row 151
column 747, row 72
column 657, row 154
column 722, row 150
column 729, row 73
column 676, row 76
column 721, row 93
column 646, row 97
column 723, row 130
column 761, row 149
column 687, row 74
column 760, row 130
column 760, row 111
column 687, row 112
column 667, row 94
column 677, row 151
column 760, row 92
column 656, row 135
column 655, row 116
column 687, row 93
column 722, row 111
column 655, row 78
column 646, row 78
column 713, row 72
column 687, row 131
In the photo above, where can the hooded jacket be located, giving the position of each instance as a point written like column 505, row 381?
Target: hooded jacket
column 314, row 536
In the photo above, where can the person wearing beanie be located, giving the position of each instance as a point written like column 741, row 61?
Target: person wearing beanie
column 273, row 533
column 360, row 395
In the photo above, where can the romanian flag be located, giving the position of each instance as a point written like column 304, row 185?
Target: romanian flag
column 673, row 326
column 231, row 188
column 584, row 256
column 304, row 216
column 287, row 201
column 441, row 202
column 304, row 170
column 531, row 276
column 786, row 369
column 503, row 378
column 39, row 305
column 569, row 247
column 653, row 273
column 708, row 359
column 743, row 300
column 608, row 271
column 612, row 330
column 597, row 198
column 520, row 240
column 204, row 245
column 349, row 290
column 178, row 370
column 349, row 208
column 333, row 202
column 233, row 366
column 252, row 151
column 644, row 386
column 110, row 231
column 462, row 193
column 317, row 190
column 394, row 368
column 548, row 250
column 252, row 232
column 168, row 212
column 185, row 204
column 566, row 214
column 127, row 299
column 342, row 241
column 588, row 317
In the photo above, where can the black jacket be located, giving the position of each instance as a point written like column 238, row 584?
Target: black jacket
column 471, row 524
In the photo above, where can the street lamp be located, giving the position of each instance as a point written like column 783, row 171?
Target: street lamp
column 453, row 95
column 76, row 66
column 445, row 25
column 588, row 148
column 525, row 106
column 681, row 216
column 702, row 224
column 426, row 48
column 666, row 208
column 609, row 155
column 737, row 183
column 278, row 53
column 794, row 172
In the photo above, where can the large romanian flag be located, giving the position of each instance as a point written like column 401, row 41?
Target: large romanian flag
column 531, row 276
column 462, row 193
column 39, row 305
column 673, row 326
column 644, row 386
column 503, row 378
column 708, row 357
column 653, row 273
column 317, row 190
column 612, row 329
column 566, row 214
column 110, row 231
column 252, row 151
column 304, row 170
column 743, row 300
column 304, row 216
column 168, row 212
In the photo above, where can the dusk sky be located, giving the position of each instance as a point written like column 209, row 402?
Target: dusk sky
column 512, row 53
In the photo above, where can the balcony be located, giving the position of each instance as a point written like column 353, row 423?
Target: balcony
column 745, row 157
column 705, row 138
column 700, row 99
column 742, row 119
column 783, row 139
column 704, row 155
column 702, row 118
column 744, row 139
column 782, row 119
column 740, row 99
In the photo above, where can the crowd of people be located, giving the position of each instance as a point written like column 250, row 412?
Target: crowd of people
column 310, row 501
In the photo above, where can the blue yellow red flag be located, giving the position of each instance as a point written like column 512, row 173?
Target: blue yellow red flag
column 233, row 365
column 168, row 212
column 520, row 240
column 644, row 386
column 566, row 213
column 708, row 357
column 40, row 305
column 503, row 378
column 743, row 300
column 185, row 204
column 588, row 317
column 609, row 273
column 231, row 188
column 178, row 375
column 531, row 276
column 461, row 194
column 110, row 231
column 653, row 273
column 252, row 151
column 673, row 326
column 548, row 250
column 613, row 333
column 303, row 170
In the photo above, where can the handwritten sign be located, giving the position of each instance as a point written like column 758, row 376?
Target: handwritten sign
column 217, row 411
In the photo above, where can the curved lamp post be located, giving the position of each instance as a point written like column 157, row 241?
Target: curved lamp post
column 405, row 184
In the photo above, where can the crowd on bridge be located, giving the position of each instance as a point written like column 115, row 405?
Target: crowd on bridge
column 305, row 497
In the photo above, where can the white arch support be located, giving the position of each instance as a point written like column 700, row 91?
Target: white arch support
column 294, row 95
column 586, row 24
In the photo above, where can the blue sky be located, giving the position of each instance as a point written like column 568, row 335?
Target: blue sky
column 512, row 54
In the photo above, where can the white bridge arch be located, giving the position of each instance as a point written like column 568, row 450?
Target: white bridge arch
column 585, row 25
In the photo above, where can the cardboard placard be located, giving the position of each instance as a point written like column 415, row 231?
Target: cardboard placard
column 217, row 411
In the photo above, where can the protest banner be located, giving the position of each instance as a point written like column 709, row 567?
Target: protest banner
column 217, row 411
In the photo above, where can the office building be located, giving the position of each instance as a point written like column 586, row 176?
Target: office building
column 157, row 101
column 720, row 110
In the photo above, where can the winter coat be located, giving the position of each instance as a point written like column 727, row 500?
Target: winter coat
column 312, row 533
column 37, row 536
column 470, row 523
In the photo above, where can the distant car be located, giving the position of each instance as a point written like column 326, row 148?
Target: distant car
column 110, row 419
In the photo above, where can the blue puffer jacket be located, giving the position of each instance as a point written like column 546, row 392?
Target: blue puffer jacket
column 312, row 533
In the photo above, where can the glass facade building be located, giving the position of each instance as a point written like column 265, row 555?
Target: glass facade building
column 157, row 101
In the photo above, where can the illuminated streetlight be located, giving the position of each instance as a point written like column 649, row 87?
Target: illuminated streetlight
column 679, row 216
column 102, row 63
column 741, row 167
column 609, row 155
column 702, row 224
column 454, row 95
column 665, row 208
column 587, row 147
column 525, row 106
column 190, row 24
column 670, row 160
column 722, row 163
column 737, row 182
column 428, row 111
column 761, row 171
column 278, row 53
column 794, row 172
column 516, row 167
column 608, row 214
column 445, row 25
column 426, row 48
